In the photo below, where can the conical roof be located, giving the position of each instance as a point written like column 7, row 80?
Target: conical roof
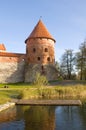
column 2, row 47
column 40, row 31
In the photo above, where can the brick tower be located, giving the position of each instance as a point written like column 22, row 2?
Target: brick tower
column 40, row 56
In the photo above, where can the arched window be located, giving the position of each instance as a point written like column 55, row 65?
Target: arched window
column 46, row 49
column 34, row 49
column 38, row 58
column 48, row 59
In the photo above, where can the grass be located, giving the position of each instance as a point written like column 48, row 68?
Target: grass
column 5, row 96
column 29, row 91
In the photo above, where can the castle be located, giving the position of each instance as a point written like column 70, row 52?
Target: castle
column 39, row 57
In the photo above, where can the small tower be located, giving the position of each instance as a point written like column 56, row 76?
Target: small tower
column 2, row 48
column 40, row 56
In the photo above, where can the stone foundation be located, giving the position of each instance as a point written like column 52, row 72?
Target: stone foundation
column 47, row 70
column 12, row 72
column 6, row 106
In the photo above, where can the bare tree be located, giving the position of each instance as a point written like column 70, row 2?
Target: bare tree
column 81, row 61
column 67, row 62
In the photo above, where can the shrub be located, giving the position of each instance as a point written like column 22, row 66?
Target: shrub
column 40, row 80
column 60, row 78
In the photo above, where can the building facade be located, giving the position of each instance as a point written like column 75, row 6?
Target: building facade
column 39, row 57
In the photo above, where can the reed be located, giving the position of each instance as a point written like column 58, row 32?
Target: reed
column 57, row 92
column 28, row 91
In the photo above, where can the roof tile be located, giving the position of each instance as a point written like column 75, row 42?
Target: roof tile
column 2, row 47
column 40, row 31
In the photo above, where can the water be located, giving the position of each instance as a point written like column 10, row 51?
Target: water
column 44, row 118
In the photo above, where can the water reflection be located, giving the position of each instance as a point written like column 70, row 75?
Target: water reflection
column 43, row 118
column 70, row 118
column 39, row 118
column 8, row 115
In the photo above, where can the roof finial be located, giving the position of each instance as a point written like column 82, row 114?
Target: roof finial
column 40, row 18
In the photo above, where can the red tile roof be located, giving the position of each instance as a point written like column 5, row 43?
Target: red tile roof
column 2, row 47
column 9, row 54
column 40, row 31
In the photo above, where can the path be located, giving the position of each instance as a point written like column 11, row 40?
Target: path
column 49, row 102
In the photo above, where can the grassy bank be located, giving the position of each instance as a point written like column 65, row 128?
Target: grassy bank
column 28, row 91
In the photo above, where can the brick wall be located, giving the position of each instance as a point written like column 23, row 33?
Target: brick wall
column 40, row 51
column 12, row 67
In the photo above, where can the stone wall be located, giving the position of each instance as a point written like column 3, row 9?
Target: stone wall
column 12, row 72
column 49, row 71
column 7, row 105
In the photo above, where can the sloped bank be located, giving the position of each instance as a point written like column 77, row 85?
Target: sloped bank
column 6, row 106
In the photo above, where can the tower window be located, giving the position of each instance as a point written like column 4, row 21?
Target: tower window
column 42, row 67
column 46, row 49
column 34, row 50
column 26, row 50
column 48, row 59
column 39, row 58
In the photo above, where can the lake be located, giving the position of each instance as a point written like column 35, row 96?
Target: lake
column 43, row 118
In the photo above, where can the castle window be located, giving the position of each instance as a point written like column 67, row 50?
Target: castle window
column 46, row 50
column 42, row 67
column 43, row 71
column 48, row 59
column 39, row 58
column 26, row 50
column 34, row 50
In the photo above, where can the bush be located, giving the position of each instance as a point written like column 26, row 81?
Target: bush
column 60, row 78
column 40, row 80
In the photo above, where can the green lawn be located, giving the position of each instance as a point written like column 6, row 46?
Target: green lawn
column 55, row 89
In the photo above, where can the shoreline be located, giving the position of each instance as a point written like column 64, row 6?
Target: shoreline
column 6, row 106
